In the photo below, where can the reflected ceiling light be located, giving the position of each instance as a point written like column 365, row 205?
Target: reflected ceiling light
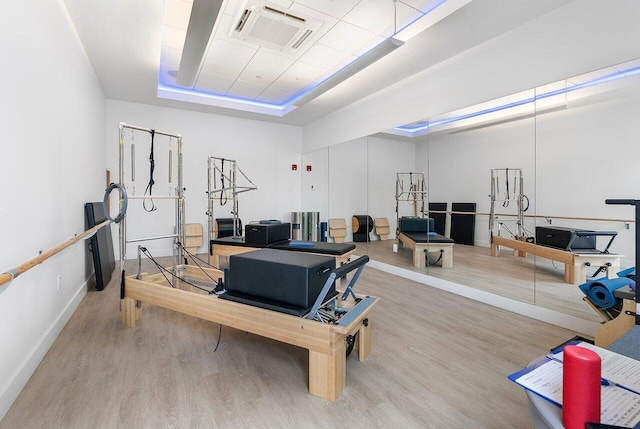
column 431, row 16
column 381, row 50
column 203, row 17
column 415, row 131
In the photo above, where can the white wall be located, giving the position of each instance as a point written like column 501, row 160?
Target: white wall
column 263, row 151
column 460, row 167
column 356, row 178
column 588, row 154
column 53, row 151
column 386, row 158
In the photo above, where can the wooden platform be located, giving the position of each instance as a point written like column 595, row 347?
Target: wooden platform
column 419, row 249
column 575, row 264
column 326, row 343
column 226, row 250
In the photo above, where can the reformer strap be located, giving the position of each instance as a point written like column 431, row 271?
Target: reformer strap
column 224, row 193
column 506, row 201
column 152, row 166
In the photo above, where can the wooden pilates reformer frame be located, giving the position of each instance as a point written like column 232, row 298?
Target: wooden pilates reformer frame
column 327, row 342
column 419, row 249
column 575, row 264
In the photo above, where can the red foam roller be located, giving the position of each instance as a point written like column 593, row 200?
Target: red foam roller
column 580, row 387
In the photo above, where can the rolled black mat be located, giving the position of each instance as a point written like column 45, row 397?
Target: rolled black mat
column 224, row 226
column 361, row 226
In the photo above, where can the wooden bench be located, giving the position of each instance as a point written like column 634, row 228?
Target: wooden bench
column 575, row 264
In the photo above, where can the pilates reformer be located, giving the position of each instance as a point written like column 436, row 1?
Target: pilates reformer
column 193, row 289
column 575, row 263
column 221, row 185
column 328, row 330
column 417, row 234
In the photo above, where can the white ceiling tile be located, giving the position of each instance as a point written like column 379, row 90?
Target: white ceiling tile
column 286, row 4
column 214, row 84
column 334, row 8
column 177, row 13
column 323, row 56
column 300, row 74
column 266, row 64
column 232, row 7
column 378, row 15
column 347, row 37
column 165, row 77
column 369, row 46
column 227, row 58
column 170, row 57
column 173, row 37
column 328, row 21
column 276, row 95
column 225, row 22
column 245, row 90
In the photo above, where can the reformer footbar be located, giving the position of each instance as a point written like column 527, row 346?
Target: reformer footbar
column 336, row 274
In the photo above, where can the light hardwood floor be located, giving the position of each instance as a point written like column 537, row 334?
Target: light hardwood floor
column 534, row 280
column 438, row 361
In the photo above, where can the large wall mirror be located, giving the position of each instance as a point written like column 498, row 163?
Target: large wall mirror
column 543, row 158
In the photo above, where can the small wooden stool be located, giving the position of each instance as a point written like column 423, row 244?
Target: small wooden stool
column 382, row 227
column 338, row 229
column 192, row 237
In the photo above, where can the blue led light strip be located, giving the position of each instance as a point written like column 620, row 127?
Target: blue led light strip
column 587, row 84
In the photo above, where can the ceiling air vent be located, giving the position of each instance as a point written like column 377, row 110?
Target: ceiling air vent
column 269, row 25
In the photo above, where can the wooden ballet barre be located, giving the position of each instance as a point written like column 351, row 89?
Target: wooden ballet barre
column 596, row 219
column 327, row 343
column 575, row 264
column 20, row 269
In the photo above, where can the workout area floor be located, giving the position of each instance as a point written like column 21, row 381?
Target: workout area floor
column 438, row 360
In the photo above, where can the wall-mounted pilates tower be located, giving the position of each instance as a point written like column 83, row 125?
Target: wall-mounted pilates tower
column 410, row 189
column 225, row 183
column 507, row 191
column 155, row 141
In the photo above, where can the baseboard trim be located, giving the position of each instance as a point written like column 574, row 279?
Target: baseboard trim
column 13, row 387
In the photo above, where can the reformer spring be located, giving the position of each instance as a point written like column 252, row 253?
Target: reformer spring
column 163, row 270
